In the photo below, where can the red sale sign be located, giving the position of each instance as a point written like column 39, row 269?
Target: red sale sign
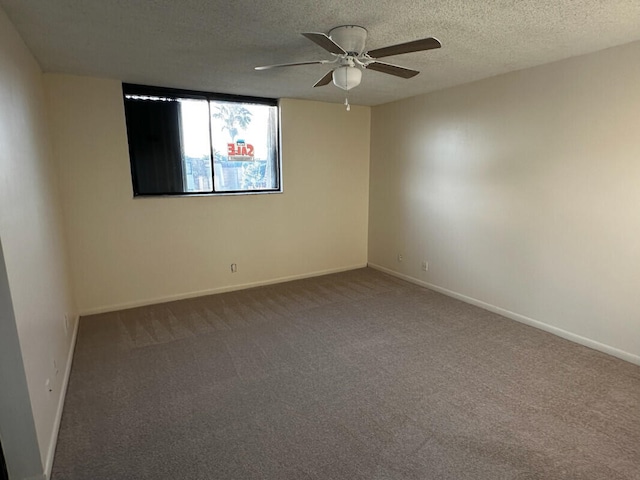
column 240, row 150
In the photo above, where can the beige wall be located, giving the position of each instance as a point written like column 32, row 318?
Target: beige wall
column 127, row 251
column 523, row 193
column 35, row 289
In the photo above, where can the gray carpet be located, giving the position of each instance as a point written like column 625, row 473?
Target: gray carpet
column 351, row 376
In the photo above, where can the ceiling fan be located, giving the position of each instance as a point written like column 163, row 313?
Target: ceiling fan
column 347, row 44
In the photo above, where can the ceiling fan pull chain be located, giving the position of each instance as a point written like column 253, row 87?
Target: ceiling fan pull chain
column 346, row 103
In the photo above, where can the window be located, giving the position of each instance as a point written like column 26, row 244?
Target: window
column 192, row 143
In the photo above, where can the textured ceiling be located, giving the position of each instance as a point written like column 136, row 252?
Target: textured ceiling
column 214, row 45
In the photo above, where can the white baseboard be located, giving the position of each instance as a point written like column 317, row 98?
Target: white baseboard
column 63, row 392
column 212, row 291
column 587, row 342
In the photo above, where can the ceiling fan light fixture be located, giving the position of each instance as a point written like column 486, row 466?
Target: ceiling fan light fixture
column 347, row 77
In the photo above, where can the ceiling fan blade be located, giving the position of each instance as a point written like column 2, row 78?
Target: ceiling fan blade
column 392, row 69
column 324, row 80
column 314, row 62
column 325, row 42
column 415, row 46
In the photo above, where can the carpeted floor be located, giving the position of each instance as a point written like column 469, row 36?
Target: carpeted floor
column 351, row 376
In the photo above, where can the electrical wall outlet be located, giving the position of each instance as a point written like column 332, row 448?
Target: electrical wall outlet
column 425, row 266
column 234, row 268
column 400, row 257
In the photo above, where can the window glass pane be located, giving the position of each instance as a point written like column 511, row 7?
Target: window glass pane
column 244, row 139
column 196, row 149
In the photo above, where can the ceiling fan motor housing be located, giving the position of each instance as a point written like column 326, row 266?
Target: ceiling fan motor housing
column 351, row 38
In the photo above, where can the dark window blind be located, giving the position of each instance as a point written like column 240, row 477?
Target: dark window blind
column 153, row 129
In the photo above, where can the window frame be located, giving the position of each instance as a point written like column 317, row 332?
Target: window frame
column 155, row 91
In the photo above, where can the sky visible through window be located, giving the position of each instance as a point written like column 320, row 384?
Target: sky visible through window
column 194, row 115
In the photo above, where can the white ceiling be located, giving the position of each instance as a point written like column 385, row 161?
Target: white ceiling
column 213, row 45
